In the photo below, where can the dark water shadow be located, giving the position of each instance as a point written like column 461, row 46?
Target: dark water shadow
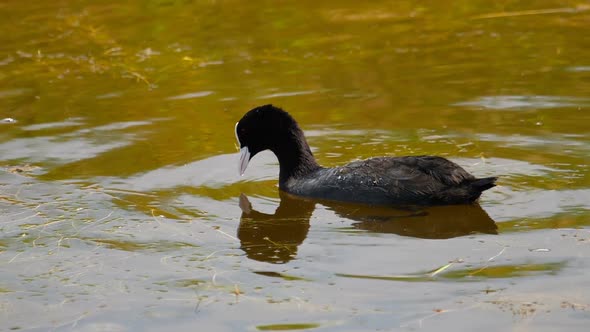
column 275, row 238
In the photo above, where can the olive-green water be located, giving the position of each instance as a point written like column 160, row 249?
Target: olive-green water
column 121, row 207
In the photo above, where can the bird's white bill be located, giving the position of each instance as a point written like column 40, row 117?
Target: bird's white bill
column 244, row 159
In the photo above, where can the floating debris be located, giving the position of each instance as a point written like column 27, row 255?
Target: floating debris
column 23, row 169
column 540, row 250
column 8, row 120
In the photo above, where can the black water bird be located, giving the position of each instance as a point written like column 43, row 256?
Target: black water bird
column 392, row 181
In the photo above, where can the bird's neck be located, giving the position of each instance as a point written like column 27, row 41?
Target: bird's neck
column 295, row 157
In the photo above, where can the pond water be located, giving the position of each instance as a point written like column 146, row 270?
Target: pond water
column 122, row 208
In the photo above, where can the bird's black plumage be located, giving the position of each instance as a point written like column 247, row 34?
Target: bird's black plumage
column 420, row 180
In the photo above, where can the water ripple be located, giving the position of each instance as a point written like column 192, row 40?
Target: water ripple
column 287, row 94
column 525, row 102
column 191, row 95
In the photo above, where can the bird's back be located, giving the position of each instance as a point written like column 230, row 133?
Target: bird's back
column 421, row 180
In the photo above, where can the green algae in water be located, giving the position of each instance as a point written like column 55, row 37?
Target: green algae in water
column 287, row 327
column 280, row 275
column 4, row 290
column 469, row 274
column 139, row 246
column 505, row 271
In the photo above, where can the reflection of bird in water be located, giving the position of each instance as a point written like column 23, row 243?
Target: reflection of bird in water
column 436, row 222
column 274, row 238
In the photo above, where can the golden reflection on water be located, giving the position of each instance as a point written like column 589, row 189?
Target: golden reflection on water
column 403, row 70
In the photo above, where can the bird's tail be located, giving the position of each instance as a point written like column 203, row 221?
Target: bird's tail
column 483, row 183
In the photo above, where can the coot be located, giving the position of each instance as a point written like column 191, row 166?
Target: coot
column 409, row 180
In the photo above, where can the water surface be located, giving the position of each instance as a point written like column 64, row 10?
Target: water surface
column 121, row 206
